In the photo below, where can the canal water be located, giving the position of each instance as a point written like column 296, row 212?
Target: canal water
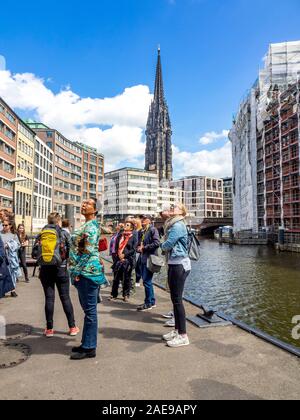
column 256, row 285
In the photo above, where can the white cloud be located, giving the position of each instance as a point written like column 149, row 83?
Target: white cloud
column 124, row 116
column 215, row 163
column 212, row 137
column 115, row 125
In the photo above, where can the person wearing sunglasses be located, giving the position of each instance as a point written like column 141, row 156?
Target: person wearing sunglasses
column 125, row 261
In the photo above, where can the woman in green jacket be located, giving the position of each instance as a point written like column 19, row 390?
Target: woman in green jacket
column 87, row 275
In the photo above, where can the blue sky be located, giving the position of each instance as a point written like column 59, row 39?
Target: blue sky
column 211, row 52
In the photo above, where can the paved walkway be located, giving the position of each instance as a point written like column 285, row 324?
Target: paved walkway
column 133, row 363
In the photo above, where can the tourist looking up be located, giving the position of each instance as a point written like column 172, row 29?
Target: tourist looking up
column 148, row 245
column 87, row 276
column 176, row 248
column 24, row 241
column 125, row 261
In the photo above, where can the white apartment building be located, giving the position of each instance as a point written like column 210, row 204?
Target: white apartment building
column 203, row 196
column 168, row 196
column 130, row 191
column 43, row 184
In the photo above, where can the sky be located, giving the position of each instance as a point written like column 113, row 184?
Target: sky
column 88, row 68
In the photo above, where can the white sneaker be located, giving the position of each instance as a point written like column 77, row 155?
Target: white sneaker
column 179, row 341
column 170, row 323
column 170, row 315
column 137, row 285
column 170, row 336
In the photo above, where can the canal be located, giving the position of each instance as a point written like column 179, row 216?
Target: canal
column 256, row 285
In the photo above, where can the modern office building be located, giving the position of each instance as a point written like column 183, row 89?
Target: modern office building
column 203, row 196
column 168, row 196
column 43, row 184
column 130, row 191
column 8, row 154
column 227, row 198
column 25, row 170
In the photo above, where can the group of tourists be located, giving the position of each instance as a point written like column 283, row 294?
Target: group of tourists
column 13, row 245
column 132, row 247
column 66, row 258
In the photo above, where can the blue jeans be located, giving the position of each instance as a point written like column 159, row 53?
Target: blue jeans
column 147, row 277
column 88, row 297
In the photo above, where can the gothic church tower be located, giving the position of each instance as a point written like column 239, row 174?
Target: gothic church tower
column 159, row 132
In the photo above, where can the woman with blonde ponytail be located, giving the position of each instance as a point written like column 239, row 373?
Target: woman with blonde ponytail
column 176, row 248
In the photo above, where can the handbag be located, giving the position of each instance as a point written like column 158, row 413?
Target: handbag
column 155, row 263
column 103, row 245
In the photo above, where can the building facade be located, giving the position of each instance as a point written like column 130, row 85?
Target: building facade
column 8, row 154
column 265, row 142
column 130, row 191
column 25, row 170
column 227, row 198
column 78, row 171
column 278, row 163
column 243, row 138
column 203, row 196
column 92, row 175
column 168, row 196
column 43, row 184
column 158, row 157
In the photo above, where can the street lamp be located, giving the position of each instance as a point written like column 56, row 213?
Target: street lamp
column 14, row 181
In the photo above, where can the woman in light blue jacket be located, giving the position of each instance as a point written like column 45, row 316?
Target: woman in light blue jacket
column 176, row 248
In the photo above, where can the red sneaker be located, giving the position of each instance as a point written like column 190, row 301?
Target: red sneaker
column 74, row 331
column 49, row 333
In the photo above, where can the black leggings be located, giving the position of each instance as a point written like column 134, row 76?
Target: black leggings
column 176, row 278
column 51, row 276
column 124, row 277
column 22, row 258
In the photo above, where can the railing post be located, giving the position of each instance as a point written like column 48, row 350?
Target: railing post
column 281, row 236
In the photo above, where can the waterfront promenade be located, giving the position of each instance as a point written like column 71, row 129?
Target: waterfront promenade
column 133, row 363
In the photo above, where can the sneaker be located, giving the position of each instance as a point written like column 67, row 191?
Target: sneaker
column 74, row 331
column 170, row 315
column 154, row 306
column 49, row 333
column 137, row 285
column 112, row 299
column 144, row 308
column 170, row 336
column 179, row 341
column 170, row 323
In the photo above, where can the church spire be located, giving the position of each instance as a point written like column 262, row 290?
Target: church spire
column 159, row 133
column 159, row 87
